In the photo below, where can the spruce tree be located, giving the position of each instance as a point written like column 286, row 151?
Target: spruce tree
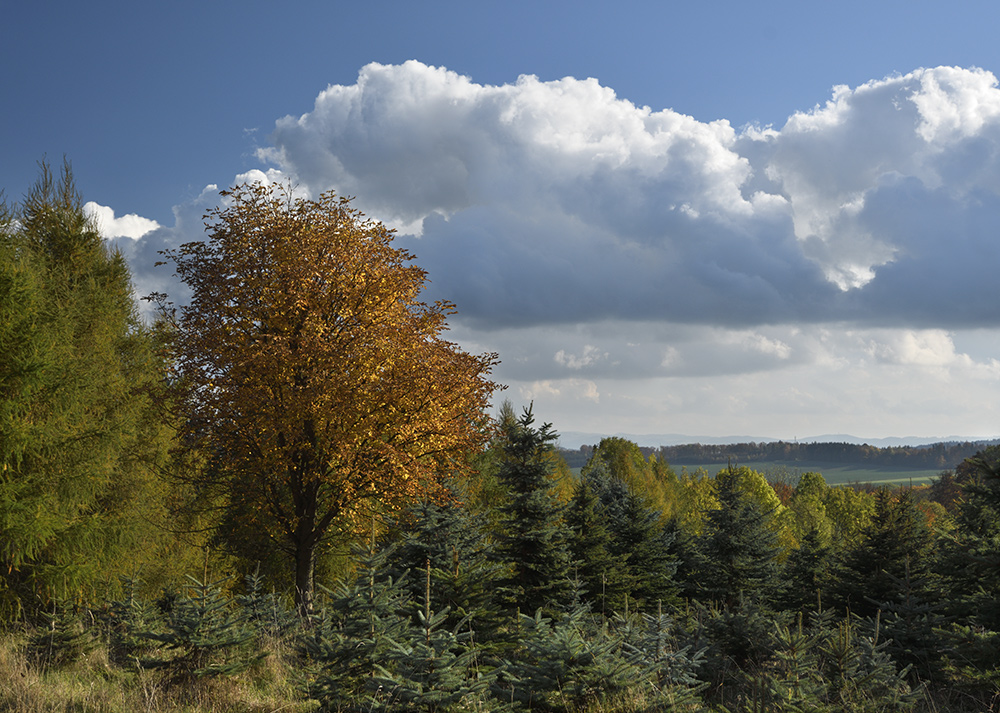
column 360, row 621
column 560, row 666
column 535, row 540
column 969, row 560
column 640, row 542
column 806, row 573
column 464, row 572
column 595, row 568
column 735, row 556
column 897, row 545
column 431, row 667
column 129, row 620
column 204, row 635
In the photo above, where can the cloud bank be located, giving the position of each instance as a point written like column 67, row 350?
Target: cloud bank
column 559, row 202
column 603, row 247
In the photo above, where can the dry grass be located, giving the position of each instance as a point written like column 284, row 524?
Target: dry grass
column 95, row 685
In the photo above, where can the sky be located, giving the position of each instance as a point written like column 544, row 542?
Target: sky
column 767, row 220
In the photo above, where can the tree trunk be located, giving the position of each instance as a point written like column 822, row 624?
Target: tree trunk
column 305, row 564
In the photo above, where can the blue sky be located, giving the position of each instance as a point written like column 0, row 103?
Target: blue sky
column 707, row 238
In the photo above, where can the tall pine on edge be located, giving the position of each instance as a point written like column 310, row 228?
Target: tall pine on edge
column 535, row 539
column 79, row 381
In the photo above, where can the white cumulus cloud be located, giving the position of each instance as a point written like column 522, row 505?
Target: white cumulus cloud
column 558, row 202
column 814, row 268
column 127, row 226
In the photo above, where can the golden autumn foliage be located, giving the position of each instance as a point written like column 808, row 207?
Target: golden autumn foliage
column 311, row 374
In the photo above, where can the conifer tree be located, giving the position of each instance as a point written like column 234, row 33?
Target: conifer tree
column 129, row 620
column 80, row 384
column 735, row 558
column 535, row 539
column 596, row 570
column 431, row 668
column 464, row 571
column 796, row 685
column 897, row 545
column 205, row 634
column 806, row 573
column 361, row 620
column 562, row 665
column 640, row 543
column 969, row 561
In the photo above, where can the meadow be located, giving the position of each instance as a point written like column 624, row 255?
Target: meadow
column 834, row 473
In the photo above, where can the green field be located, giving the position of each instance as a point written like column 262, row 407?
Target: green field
column 834, row 473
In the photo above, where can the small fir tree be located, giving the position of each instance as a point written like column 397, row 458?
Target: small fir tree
column 736, row 554
column 896, row 545
column 535, row 539
column 431, row 668
column 359, row 623
column 205, row 633
column 563, row 665
column 596, row 569
column 464, row 571
column 806, row 573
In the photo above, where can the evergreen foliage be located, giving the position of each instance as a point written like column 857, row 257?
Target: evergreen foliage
column 464, row 571
column 432, row 669
column 204, row 633
column 641, row 543
column 67, row 633
column 81, row 433
column 969, row 562
column 896, row 546
column 361, row 620
column 596, row 569
column 129, row 622
column 535, row 539
column 806, row 573
column 562, row 665
column 736, row 553
column 267, row 615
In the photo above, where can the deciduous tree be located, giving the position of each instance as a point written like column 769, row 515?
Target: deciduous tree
column 312, row 375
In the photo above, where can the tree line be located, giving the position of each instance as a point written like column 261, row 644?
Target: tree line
column 933, row 456
column 297, row 465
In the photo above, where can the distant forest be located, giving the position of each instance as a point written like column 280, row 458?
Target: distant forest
column 944, row 456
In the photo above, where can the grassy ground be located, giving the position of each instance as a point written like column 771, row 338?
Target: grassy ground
column 95, row 685
column 833, row 473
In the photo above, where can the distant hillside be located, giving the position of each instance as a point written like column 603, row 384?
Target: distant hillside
column 937, row 456
column 575, row 439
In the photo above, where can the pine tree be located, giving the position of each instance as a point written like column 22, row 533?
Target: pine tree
column 859, row 672
column 897, row 545
column 80, row 383
column 266, row 614
column 66, row 634
column 535, row 538
column 598, row 571
column 652, row 641
column 360, row 621
column 735, row 557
